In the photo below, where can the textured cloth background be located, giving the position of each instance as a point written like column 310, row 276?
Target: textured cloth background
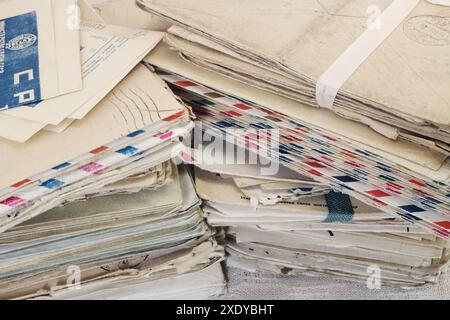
column 246, row 285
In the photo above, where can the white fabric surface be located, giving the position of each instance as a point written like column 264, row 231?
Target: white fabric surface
column 246, row 285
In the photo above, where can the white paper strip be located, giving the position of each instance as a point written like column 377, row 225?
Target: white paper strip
column 340, row 71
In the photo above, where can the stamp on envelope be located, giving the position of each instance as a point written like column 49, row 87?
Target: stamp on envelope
column 428, row 30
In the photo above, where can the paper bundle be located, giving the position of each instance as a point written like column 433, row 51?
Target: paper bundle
column 275, row 222
column 336, row 152
column 320, row 235
column 99, row 212
column 400, row 189
column 122, row 243
column 91, row 205
column 112, row 218
column 369, row 61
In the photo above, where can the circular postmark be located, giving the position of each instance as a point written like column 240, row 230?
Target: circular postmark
column 21, row 42
column 428, row 30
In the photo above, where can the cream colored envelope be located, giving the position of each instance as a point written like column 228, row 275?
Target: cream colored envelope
column 58, row 40
column 139, row 100
column 108, row 53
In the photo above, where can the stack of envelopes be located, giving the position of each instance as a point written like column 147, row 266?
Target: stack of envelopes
column 406, row 182
column 119, row 212
column 398, row 177
column 302, row 49
column 91, row 204
column 119, row 138
column 330, row 234
column 123, row 244
column 278, row 220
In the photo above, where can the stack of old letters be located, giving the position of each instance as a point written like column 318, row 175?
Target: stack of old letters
column 353, row 107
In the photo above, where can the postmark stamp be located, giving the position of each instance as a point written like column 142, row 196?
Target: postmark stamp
column 21, row 42
column 428, row 30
